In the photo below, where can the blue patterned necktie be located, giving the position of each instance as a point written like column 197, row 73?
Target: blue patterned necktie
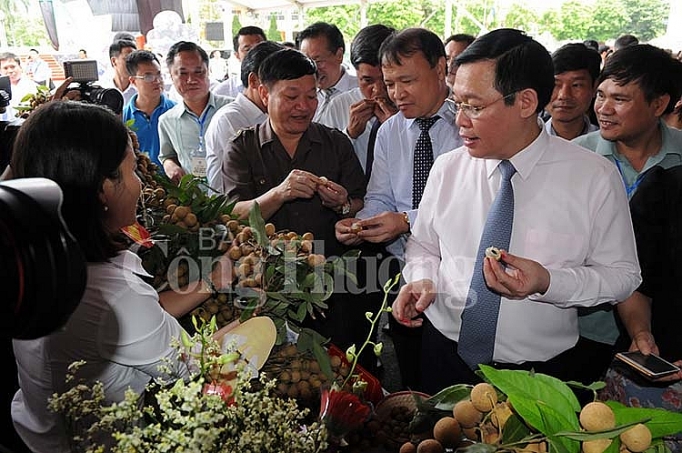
column 479, row 318
column 423, row 159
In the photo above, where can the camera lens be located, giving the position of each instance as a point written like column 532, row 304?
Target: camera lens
column 108, row 97
column 42, row 270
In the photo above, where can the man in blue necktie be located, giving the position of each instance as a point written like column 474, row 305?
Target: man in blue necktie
column 557, row 212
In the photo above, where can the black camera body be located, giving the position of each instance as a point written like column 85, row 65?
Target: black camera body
column 84, row 73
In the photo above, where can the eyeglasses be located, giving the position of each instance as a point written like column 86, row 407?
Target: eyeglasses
column 473, row 111
column 150, row 78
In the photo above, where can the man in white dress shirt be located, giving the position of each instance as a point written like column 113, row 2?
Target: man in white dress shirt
column 323, row 43
column 570, row 243
column 245, row 111
column 119, row 78
column 10, row 65
column 358, row 111
column 243, row 41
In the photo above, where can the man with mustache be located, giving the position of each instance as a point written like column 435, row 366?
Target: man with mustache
column 576, row 68
column 639, row 84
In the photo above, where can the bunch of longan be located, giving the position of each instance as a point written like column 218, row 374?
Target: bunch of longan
column 477, row 419
column 299, row 374
column 597, row 416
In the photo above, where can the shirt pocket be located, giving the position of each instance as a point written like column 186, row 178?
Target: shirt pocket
column 553, row 248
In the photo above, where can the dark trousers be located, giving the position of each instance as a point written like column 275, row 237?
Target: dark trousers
column 345, row 322
column 441, row 365
column 592, row 359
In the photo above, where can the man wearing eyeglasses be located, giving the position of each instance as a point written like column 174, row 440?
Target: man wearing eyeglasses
column 182, row 128
column 557, row 213
column 323, row 43
column 147, row 105
column 414, row 70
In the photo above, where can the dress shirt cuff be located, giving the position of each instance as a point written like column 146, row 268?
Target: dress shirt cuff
column 559, row 290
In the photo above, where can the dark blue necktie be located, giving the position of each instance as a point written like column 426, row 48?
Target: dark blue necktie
column 423, row 159
column 479, row 318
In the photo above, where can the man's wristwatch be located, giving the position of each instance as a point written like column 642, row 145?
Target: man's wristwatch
column 407, row 220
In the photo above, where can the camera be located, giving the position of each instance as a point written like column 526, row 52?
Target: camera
column 42, row 268
column 84, row 72
column 5, row 93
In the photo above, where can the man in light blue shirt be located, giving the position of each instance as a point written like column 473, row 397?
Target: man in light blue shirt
column 148, row 103
column 637, row 86
column 182, row 128
column 415, row 82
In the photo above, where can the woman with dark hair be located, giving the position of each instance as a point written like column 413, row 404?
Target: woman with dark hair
column 122, row 328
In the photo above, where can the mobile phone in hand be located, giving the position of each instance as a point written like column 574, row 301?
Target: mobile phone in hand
column 651, row 366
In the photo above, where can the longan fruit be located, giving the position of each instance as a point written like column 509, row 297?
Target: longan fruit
column 285, row 376
column 447, row 431
column 637, row 438
column 191, row 219
column 182, row 211
column 597, row 416
column 408, row 447
column 171, row 208
column 466, row 414
column 269, row 229
column 483, row 397
column 596, row 446
column 235, row 253
column 233, row 225
column 307, row 236
column 315, row 260
column 429, row 446
column 295, row 376
column 471, row 433
column 335, row 361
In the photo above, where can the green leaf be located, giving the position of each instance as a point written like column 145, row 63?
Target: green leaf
column 603, row 434
column 554, row 421
column 478, row 448
column 514, row 430
column 257, row 225
column 323, row 360
column 518, row 384
column 595, row 386
column 661, row 423
column 449, row 396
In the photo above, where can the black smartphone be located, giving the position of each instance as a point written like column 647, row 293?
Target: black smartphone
column 651, row 366
column 6, row 86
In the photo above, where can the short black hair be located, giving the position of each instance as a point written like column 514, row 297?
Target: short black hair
column 285, row 64
column 117, row 46
column 185, row 46
column 139, row 56
column 255, row 57
column 625, row 41
column 460, row 37
column 289, row 44
column 655, row 71
column 123, row 36
column 33, row 50
column 520, row 63
column 365, row 45
column 407, row 42
column 10, row 56
column 246, row 31
column 575, row 57
column 329, row 31
column 78, row 145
